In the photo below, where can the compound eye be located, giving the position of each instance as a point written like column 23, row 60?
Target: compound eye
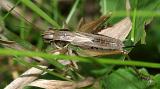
column 48, row 36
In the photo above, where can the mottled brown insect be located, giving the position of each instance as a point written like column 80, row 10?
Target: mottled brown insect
column 85, row 40
column 93, row 44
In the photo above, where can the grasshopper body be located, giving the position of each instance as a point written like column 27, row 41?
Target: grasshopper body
column 85, row 40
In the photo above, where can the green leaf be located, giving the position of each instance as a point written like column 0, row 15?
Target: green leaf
column 157, row 81
column 123, row 79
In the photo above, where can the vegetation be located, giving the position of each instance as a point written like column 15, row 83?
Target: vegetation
column 22, row 23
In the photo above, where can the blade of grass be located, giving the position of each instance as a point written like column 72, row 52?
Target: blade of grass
column 104, row 7
column 40, row 43
column 22, row 24
column 82, row 59
column 14, row 37
column 139, row 13
column 22, row 30
column 55, row 11
column 72, row 11
column 6, row 15
column 40, row 12
column 11, row 36
column 56, row 64
column 133, row 21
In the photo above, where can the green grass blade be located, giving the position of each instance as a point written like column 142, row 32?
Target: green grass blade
column 72, row 11
column 104, row 7
column 134, row 21
column 40, row 12
column 22, row 29
column 14, row 37
column 82, row 59
column 55, row 11
column 12, row 8
column 139, row 13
